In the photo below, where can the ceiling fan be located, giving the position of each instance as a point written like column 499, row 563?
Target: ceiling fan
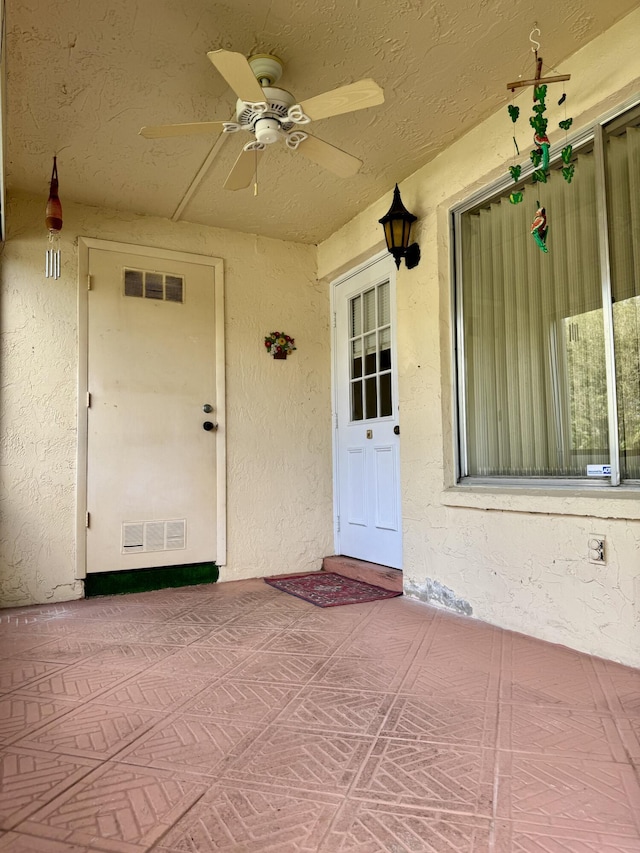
column 272, row 115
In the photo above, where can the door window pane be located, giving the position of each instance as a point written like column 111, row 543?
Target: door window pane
column 371, row 397
column 384, row 317
column 370, row 354
column 356, row 358
column 356, row 316
column 356, row 401
column 384, row 337
column 385, row 395
column 369, row 310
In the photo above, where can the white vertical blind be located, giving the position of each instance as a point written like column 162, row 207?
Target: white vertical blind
column 623, row 185
column 526, row 413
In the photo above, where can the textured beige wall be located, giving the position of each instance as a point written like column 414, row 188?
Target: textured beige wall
column 517, row 558
column 278, row 413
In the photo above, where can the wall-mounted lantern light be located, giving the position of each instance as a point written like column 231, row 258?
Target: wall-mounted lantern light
column 397, row 228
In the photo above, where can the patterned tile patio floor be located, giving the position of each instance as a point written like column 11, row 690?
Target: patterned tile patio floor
column 234, row 717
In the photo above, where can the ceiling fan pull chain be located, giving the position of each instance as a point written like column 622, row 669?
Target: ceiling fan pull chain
column 255, row 184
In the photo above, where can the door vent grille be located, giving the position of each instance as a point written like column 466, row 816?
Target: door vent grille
column 149, row 284
column 140, row 537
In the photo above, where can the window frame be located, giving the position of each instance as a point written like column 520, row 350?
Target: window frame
column 593, row 134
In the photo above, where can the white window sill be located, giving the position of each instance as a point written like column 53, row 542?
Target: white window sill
column 597, row 502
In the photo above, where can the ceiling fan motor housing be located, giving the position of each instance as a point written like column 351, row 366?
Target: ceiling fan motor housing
column 273, row 119
column 267, row 68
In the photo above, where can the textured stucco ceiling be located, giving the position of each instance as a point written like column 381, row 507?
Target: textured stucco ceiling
column 83, row 77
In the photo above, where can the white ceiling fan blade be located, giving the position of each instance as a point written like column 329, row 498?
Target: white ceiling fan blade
column 346, row 99
column 191, row 129
column 237, row 72
column 243, row 170
column 329, row 157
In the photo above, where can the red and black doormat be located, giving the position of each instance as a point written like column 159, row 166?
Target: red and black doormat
column 327, row 589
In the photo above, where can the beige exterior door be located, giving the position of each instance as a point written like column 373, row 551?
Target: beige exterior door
column 367, row 442
column 152, row 412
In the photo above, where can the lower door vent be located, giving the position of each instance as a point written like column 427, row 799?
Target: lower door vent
column 139, row 537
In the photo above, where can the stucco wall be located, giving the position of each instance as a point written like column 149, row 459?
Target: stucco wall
column 278, row 412
column 517, row 558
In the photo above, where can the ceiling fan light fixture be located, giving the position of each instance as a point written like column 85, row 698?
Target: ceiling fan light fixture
column 397, row 230
column 267, row 130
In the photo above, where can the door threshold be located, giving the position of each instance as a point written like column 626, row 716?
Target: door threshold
column 361, row 570
column 144, row 580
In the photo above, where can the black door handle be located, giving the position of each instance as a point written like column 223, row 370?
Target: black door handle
column 396, row 430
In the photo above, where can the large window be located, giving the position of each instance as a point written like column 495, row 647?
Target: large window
column 549, row 344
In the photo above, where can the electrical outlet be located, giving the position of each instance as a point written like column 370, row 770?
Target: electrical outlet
column 596, row 548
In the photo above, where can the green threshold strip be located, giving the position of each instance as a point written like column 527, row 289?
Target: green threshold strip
column 143, row 580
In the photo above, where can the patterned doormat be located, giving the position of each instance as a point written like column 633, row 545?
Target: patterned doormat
column 327, row 589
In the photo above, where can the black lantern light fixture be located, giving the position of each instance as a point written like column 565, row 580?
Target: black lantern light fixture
column 397, row 228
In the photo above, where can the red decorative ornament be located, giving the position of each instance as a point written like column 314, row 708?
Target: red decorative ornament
column 53, row 212
column 53, row 221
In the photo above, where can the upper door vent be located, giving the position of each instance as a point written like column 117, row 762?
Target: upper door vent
column 148, row 284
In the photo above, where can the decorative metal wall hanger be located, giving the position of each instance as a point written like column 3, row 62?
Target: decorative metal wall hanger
column 539, row 154
column 538, row 80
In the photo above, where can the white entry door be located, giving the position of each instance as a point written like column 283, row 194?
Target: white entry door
column 152, row 412
column 367, row 431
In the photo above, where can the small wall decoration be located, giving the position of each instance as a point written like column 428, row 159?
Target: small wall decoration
column 279, row 345
column 539, row 154
column 53, row 221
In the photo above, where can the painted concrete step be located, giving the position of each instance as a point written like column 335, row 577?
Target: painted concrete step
column 362, row 571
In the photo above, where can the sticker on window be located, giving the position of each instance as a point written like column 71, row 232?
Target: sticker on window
column 598, row 470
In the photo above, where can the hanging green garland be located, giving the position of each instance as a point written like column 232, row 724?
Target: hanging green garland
column 539, row 154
